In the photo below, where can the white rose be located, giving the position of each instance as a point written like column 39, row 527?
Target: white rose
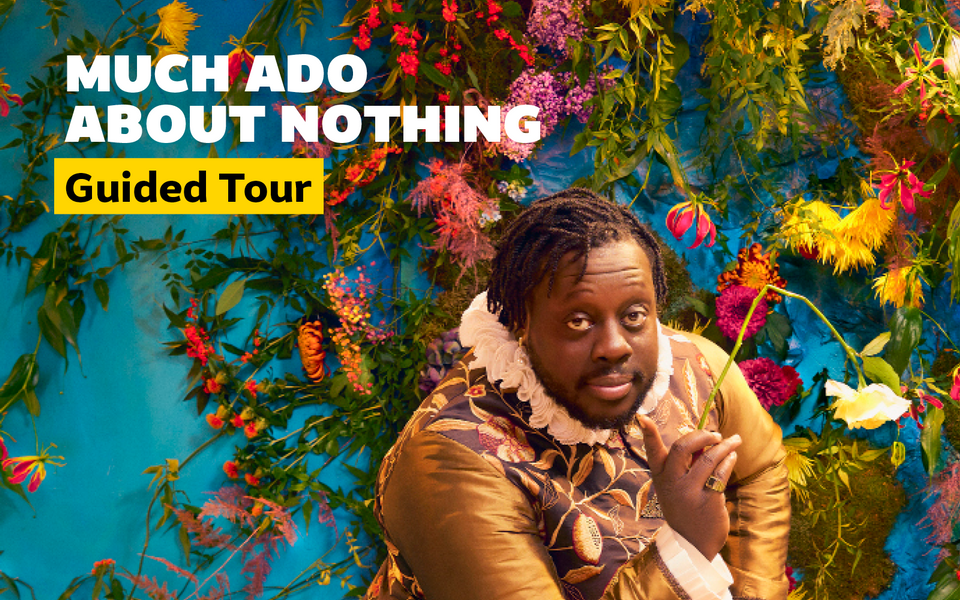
column 869, row 407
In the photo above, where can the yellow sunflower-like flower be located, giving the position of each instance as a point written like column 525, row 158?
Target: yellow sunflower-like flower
column 176, row 21
column 806, row 225
column 846, row 253
column 869, row 224
column 900, row 287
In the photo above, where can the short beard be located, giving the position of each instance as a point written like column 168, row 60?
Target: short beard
column 553, row 388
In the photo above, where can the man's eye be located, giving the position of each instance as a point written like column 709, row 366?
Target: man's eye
column 634, row 318
column 578, row 324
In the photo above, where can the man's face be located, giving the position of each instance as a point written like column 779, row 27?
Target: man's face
column 593, row 342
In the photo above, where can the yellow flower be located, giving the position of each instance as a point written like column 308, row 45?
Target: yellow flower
column 846, row 254
column 166, row 50
column 869, row 407
column 806, row 225
column 176, row 20
column 869, row 224
column 799, row 465
column 900, row 287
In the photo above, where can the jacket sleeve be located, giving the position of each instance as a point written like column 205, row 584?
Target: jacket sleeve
column 758, row 494
column 464, row 530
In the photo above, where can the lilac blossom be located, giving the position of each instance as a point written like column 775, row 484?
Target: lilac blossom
column 553, row 23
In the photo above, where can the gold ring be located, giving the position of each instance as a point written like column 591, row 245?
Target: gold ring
column 714, row 483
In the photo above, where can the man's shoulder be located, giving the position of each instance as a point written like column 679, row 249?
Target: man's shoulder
column 714, row 354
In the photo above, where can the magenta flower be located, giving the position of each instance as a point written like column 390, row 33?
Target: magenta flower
column 904, row 181
column 769, row 381
column 732, row 307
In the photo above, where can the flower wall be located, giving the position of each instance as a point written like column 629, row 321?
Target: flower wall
column 195, row 406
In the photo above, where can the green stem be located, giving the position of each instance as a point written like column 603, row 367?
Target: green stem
column 851, row 353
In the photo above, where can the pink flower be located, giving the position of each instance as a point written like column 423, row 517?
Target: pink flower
column 3, row 450
column 6, row 97
column 682, row 216
column 890, row 182
column 732, row 307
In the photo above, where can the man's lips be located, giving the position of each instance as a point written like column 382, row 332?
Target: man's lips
column 610, row 387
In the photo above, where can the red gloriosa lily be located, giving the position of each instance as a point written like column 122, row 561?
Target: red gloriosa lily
column 682, row 216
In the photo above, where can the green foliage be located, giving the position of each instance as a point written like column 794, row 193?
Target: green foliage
column 841, row 521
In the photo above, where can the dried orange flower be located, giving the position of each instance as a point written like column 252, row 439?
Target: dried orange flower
column 312, row 354
column 754, row 270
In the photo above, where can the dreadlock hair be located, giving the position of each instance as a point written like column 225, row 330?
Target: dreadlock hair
column 574, row 220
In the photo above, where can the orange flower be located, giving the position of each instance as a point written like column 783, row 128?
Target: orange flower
column 100, row 567
column 230, row 468
column 754, row 270
column 251, row 479
column 312, row 354
column 257, row 510
column 250, row 430
column 211, row 386
column 214, row 421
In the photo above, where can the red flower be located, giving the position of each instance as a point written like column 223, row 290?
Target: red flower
column 251, row 386
column 793, row 380
column 237, row 421
column 3, row 450
column 732, row 307
column 449, row 11
column 6, row 97
column 211, row 386
column 409, row 63
column 251, row 479
column 237, row 58
column 230, row 468
column 443, row 97
column 214, row 421
column 362, row 41
column 685, row 214
column 23, row 466
column 198, row 346
column 250, row 430
column 397, row 7
column 100, row 567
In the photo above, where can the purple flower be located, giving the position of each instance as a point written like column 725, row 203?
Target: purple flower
column 553, row 23
column 732, row 307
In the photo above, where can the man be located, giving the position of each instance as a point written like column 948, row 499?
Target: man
column 561, row 459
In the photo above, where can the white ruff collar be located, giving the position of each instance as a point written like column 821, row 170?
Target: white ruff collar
column 496, row 349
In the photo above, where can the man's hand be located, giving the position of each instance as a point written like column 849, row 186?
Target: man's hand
column 697, row 513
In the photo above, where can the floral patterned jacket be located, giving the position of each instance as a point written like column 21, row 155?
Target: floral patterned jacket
column 476, row 503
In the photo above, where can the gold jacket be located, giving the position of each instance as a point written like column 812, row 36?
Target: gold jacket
column 477, row 504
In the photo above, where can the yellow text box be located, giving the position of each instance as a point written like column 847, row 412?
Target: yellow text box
column 184, row 186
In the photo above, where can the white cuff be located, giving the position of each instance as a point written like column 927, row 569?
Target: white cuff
column 702, row 579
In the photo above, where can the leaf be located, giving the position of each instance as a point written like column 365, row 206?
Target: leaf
column 581, row 574
column 621, row 497
column 930, row 438
column 876, row 345
column 905, row 329
column 23, row 377
column 230, row 296
column 586, row 466
column 175, row 319
column 103, row 292
column 880, row 371
column 844, row 19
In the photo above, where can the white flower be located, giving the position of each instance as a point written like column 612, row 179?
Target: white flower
column 951, row 58
column 869, row 407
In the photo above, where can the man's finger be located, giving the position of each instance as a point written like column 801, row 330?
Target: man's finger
column 653, row 444
column 715, row 459
column 683, row 451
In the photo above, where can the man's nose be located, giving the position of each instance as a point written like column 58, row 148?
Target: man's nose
column 611, row 344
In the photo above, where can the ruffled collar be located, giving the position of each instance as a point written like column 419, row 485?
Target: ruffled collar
column 496, row 349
